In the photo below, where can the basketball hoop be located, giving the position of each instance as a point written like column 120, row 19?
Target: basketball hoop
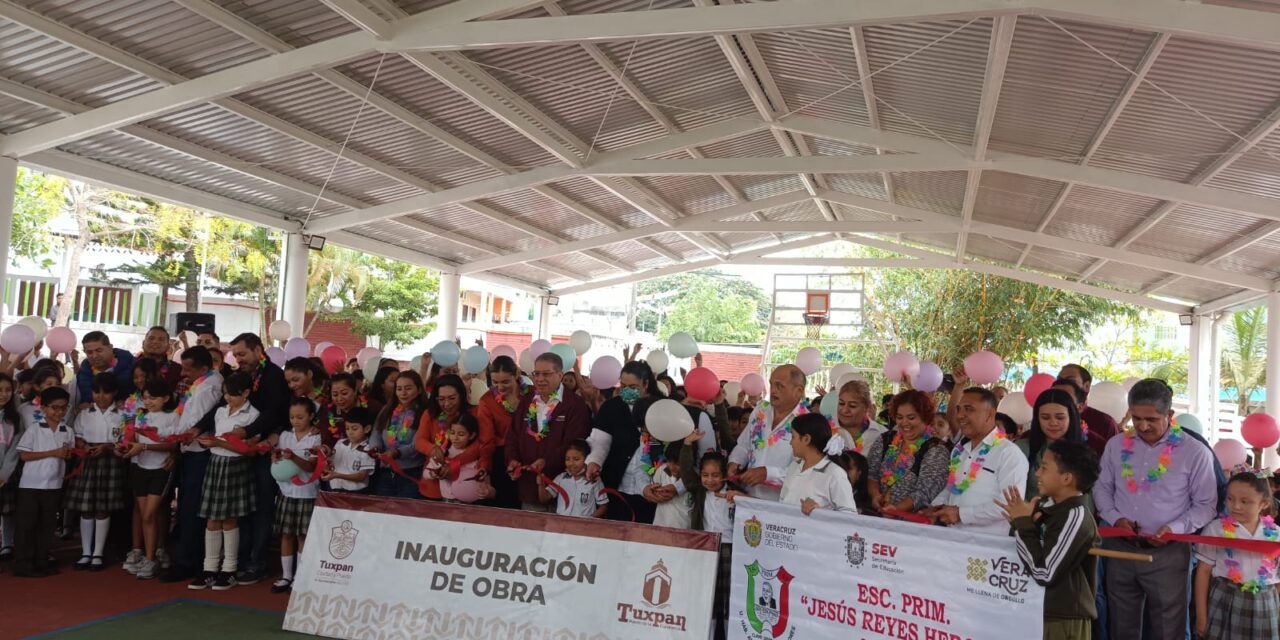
column 814, row 321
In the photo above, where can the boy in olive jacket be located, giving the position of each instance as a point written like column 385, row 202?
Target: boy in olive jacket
column 1054, row 534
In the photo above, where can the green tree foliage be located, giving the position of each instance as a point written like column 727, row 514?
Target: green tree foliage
column 397, row 303
column 37, row 199
column 1244, row 355
column 246, row 263
column 660, row 299
column 1128, row 347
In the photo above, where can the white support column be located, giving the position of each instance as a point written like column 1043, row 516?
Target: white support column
column 447, row 305
column 1215, row 354
column 1270, row 458
column 544, row 319
column 293, row 302
column 8, row 185
column 1199, row 367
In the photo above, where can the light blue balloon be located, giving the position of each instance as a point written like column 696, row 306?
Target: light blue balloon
column 475, row 359
column 528, row 382
column 445, row 353
column 830, row 403
column 567, row 355
column 284, row 470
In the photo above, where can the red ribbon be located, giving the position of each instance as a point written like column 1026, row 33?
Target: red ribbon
column 905, row 516
column 83, row 454
column 1264, row 547
column 237, row 444
column 321, row 462
column 398, row 470
column 550, row 484
column 132, row 431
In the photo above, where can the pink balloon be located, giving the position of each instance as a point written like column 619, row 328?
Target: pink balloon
column 929, row 378
column 502, row 350
column 365, row 354
column 753, row 384
column 275, row 355
column 984, row 367
column 1260, row 431
column 60, row 340
column 539, row 347
column 901, row 365
column 1230, row 453
column 334, row 358
column 702, row 384
column 1036, row 385
column 605, row 372
column 467, row 492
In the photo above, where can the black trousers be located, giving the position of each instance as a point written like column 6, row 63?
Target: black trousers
column 188, row 550
column 36, row 516
column 255, row 528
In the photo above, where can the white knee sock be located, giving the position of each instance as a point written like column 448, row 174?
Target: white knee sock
column 212, row 550
column 6, row 531
column 100, row 529
column 286, row 562
column 230, row 549
column 86, row 536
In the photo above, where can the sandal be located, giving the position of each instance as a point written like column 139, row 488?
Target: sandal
column 83, row 563
column 97, row 564
column 283, row 585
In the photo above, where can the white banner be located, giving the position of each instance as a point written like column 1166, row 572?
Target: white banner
column 837, row 575
column 381, row 568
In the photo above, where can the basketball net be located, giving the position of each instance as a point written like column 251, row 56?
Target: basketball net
column 813, row 323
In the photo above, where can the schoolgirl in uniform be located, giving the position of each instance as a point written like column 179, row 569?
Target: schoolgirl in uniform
column 228, row 491
column 296, row 501
column 101, row 487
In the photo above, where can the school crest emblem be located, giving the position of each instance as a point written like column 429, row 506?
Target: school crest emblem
column 753, row 531
column 768, row 599
column 342, row 540
column 855, row 550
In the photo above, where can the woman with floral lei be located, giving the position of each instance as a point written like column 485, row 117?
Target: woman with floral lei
column 448, row 402
column 394, row 433
column 306, row 379
column 1237, row 592
column 853, row 417
column 907, row 465
column 496, row 413
column 343, row 397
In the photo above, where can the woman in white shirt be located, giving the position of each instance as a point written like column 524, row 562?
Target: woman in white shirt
column 813, row 481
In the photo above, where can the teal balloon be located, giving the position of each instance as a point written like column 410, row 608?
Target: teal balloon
column 830, row 403
column 284, row 470
column 567, row 355
column 445, row 353
column 475, row 359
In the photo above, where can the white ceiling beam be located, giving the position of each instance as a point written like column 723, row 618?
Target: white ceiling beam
column 362, row 16
column 534, row 177
column 848, row 263
column 869, row 96
column 781, row 165
column 663, row 251
column 1236, row 26
column 1231, row 302
column 997, row 61
column 1235, row 201
column 747, row 256
column 1256, row 135
column 1228, row 249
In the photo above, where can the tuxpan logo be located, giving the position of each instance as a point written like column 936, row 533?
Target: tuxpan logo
column 657, row 586
column 656, row 594
column 753, row 531
column 855, row 550
column 768, row 605
column 342, row 540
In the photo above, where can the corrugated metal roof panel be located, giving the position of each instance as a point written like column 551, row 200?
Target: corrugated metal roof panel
column 816, row 72
column 1190, row 232
column 589, row 193
column 691, row 194
column 1126, row 276
column 544, row 213
column 940, row 191
column 853, row 214
column 760, row 187
column 297, row 22
column 1100, row 216
column 43, row 63
column 1013, row 200
column 760, row 144
column 1263, row 256
column 868, row 185
column 1049, row 259
column 16, row 115
column 1198, row 291
column 992, row 249
column 1257, row 171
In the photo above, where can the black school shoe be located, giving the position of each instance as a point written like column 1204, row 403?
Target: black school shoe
column 247, row 577
column 202, row 581
column 224, row 581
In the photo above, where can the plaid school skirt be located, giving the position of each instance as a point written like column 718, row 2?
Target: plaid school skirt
column 293, row 515
column 1236, row 615
column 724, row 569
column 101, row 487
column 228, row 488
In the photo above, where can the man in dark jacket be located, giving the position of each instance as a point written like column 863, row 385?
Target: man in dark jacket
column 99, row 357
column 540, row 440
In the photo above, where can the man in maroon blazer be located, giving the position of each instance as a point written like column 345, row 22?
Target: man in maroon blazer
column 540, row 440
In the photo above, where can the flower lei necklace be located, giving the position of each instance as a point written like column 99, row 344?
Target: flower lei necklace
column 954, row 483
column 129, row 409
column 37, row 414
column 1266, row 571
column 400, row 424
column 507, row 406
column 336, row 418
column 538, row 429
column 647, row 461
column 900, row 457
column 110, row 367
column 257, row 375
column 758, row 440
column 857, row 442
column 191, row 391
column 1162, row 462
column 442, row 430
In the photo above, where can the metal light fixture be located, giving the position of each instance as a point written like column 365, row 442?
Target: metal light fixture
column 1186, row 319
column 553, row 301
column 315, row 243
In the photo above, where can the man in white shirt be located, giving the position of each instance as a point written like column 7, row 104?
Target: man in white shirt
column 987, row 463
column 203, row 394
column 764, row 447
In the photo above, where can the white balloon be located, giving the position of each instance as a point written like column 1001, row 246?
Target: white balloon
column 668, row 421
column 846, row 379
column 809, row 359
column 731, row 390
column 476, row 390
column 38, row 326
column 319, row 348
column 1015, row 406
column 839, row 371
column 580, row 341
column 370, row 367
column 526, row 360
column 280, row 330
column 682, row 345
column 664, row 389
column 1109, row 398
column 658, row 360
column 1129, row 383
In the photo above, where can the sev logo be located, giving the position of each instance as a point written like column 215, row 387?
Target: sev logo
column 657, row 586
column 342, row 540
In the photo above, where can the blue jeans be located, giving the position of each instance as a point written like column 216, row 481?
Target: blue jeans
column 188, row 550
column 255, row 528
column 387, row 484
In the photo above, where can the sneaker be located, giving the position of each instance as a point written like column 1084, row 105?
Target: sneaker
column 248, row 577
column 146, row 570
column 283, row 585
column 162, row 559
column 202, row 581
column 132, row 561
column 224, row 581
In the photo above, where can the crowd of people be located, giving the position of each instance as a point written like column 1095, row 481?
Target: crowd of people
column 217, row 457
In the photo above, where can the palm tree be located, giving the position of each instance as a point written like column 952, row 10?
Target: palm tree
column 1244, row 361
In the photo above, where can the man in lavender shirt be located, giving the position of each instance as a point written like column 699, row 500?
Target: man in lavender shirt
column 1180, row 500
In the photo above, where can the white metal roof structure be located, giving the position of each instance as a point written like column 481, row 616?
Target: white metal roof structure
column 1122, row 148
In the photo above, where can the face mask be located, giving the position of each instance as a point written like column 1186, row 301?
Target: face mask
column 629, row 395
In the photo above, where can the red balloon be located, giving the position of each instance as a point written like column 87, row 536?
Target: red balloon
column 334, row 358
column 1036, row 385
column 702, row 384
column 1260, row 430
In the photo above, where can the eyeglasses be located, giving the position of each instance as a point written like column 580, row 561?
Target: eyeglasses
column 544, row 374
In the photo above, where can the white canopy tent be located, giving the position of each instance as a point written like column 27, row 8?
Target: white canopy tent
column 1122, row 149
